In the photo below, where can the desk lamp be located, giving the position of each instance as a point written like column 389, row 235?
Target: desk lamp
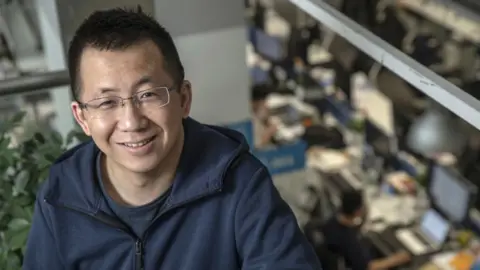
column 436, row 131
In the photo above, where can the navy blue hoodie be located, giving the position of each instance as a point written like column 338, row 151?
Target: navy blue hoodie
column 223, row 213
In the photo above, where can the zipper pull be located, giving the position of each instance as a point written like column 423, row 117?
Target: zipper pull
column 139, row 255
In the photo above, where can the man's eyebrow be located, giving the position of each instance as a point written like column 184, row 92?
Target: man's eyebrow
column 108, row 90
column 142, row 81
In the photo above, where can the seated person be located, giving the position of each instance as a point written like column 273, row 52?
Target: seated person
column 343, row 237
column 264, row 130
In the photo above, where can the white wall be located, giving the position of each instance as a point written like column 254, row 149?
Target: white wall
column 215, row 63
column 211, row 38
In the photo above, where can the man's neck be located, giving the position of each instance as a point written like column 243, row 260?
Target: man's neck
column 135, row 189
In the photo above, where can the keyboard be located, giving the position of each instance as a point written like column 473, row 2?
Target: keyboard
column 389, row 237
column 408, row 238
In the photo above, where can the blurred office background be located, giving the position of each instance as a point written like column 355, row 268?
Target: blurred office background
column 365, row 122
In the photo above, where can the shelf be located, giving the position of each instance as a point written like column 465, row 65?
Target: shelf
column 439, row 89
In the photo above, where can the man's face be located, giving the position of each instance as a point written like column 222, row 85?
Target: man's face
column 123, row 73
column 259, row 108
column 358, row 216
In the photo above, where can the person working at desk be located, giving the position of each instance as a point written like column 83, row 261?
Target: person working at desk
column 264, row 130
column 343, row 237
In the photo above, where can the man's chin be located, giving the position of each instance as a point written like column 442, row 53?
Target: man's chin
column 141, row 167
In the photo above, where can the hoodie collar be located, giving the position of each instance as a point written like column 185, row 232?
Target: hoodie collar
column 207, row 154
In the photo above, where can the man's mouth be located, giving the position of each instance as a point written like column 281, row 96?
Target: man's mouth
column 139, row 143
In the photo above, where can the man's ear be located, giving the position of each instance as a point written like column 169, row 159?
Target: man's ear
column 185, row 98
column 79, row 115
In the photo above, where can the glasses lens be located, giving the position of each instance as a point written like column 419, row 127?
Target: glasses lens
column 153, row 98
column 148, row 99
column 99, row 108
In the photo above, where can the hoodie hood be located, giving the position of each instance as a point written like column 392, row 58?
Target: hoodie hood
column 208, row 153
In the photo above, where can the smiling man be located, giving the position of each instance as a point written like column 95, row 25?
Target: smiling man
column 154, row 189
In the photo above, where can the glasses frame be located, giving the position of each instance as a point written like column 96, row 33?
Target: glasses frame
column 134, row 98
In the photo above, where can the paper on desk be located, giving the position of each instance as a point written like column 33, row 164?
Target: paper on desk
column 276, row 26
column 376, row 105
column 327, row 160
column 317, row 54
column 378, row 227
column 442, row 260
column 375, row 213
column 276, row 101
column 392, row 209
column 290, row 133
column 326, row 77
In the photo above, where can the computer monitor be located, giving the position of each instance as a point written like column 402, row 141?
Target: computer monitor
column 259, row 75
column 450, row 193
column 435, row 227
column 473, row 175
column 267, row 46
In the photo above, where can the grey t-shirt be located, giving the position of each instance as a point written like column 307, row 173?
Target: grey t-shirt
column 136, row 218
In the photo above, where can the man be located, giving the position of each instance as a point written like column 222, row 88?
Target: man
column 342, row 236
column 264, row 130
column 154, row 189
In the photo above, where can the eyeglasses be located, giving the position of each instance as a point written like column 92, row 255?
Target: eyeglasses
column 108, row 106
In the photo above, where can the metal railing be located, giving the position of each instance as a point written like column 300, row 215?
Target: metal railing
column 425, row 80
column 32, row 83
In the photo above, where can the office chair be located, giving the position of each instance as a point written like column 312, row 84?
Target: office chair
column 329, row 259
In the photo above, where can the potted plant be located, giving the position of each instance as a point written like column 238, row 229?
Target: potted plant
column 24, row 165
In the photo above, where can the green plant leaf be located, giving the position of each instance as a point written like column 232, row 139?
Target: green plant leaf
column 56, row 138
column 17, row 118
column 21, row 181
column 12, row 261
column 23, row 167
column 18, row 224
column 23, row 201
column 17, row 239
column 4, row 143
column 12, row 122
column 17, row 211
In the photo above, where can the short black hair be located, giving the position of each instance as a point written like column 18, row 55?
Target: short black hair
column 352, row 201
column 118, row 29
column 260, row 92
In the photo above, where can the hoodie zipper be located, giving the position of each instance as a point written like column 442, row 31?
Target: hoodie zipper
column 118, row 224
column 140, row 242
column 139, row 255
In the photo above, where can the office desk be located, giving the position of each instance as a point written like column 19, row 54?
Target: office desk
column 449, row 15
column 289, row 133
column 392, row 209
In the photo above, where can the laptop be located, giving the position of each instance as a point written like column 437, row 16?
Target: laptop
column 427, row 237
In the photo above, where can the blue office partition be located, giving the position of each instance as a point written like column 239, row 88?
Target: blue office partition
column 284, row 158
column 279, row 159
column 245, row 127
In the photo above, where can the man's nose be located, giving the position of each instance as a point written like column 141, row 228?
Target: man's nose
column 130, row 117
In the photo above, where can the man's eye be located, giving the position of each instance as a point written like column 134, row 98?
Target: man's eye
column 148, row 95
column 106, row 104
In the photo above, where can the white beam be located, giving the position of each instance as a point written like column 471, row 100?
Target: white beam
column 439, row 89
